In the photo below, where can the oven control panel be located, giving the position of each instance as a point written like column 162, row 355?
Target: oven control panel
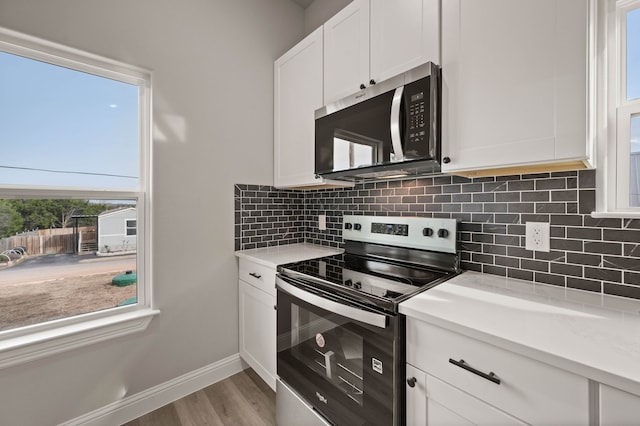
column 416, row 232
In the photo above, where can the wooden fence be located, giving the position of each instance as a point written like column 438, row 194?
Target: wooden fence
column 52, row 241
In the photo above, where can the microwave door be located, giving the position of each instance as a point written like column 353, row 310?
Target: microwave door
column 352, row 150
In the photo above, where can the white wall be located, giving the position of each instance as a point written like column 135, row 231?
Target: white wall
column 319, row 11
column 213, row 106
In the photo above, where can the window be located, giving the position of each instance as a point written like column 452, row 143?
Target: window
column 131, row 227
column 74, row 168
column 619, row 138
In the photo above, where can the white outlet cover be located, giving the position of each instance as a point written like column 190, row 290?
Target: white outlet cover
column 537, row 236
column 322, row 268
column 322, row 222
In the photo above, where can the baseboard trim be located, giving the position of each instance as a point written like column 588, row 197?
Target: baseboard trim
column 141, row 403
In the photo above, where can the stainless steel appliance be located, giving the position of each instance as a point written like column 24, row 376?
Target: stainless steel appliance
column 340, row 338
column 388, row 129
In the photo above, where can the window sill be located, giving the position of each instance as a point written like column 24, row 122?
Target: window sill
column 40, row 344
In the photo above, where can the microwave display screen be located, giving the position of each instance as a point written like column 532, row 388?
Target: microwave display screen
column 417, row 96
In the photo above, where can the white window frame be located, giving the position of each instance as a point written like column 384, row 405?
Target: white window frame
column 127, row 227
column 40, row 340
column 614, row 112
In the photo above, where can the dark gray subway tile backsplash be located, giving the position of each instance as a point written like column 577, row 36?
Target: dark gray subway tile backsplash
column 599, row 255
column 265, row 216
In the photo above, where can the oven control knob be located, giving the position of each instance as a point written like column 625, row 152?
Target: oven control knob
column 357, row 285
column 348, row 225
column 348, row 283
column 443, row 233
column 357, row 227
column 427, row 232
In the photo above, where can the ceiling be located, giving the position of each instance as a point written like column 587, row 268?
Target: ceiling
column 303, row 3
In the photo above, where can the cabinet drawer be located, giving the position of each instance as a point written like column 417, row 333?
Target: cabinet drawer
column 259, row 276
column 529, row 390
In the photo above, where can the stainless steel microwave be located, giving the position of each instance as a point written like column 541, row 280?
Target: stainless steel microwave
column 390, row 129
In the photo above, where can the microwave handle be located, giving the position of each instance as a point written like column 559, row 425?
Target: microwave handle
column 371, row 318
column 396, row 140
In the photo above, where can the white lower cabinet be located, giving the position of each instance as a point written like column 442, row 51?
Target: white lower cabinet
column 416, row 396
column 618, row 408
column 467, row 381
column 433, row 402
column 257, row 320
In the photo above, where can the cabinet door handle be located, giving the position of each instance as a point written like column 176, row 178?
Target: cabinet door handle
column 411, row 382
column 254, row 275
column 362, row 86
column 491, row 376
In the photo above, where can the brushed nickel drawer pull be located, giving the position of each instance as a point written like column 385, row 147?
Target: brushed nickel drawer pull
column 491, row 376
column 254, row 275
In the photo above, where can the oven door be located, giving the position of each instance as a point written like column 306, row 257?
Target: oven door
column 343, row 359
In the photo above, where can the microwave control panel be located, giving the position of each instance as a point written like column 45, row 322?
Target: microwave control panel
column 417, row 132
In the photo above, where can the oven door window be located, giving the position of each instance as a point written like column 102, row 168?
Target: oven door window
column 330, row 349
column 345, row 369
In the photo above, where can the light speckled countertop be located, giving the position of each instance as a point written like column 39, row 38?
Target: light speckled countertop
column 289, row 253
column 594, row 335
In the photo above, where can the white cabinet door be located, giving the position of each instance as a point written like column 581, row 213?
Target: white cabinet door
column 618, row 408
column 416, row 391
column 298, row 93
column 431, row 401
column 514, row 82
column 404, row 34
column 447, row 405
column 258, row 331
column 378, row 39
column 346, row 51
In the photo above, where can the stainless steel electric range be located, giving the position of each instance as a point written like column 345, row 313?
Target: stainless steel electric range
column 341, row 340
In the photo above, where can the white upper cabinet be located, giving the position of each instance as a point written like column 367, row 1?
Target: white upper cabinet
column 371, row 40
column 297, row 94
column 346, row 51
column 404, row 34
column 515, row 78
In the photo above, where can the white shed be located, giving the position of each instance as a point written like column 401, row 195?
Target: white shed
column 117, row 230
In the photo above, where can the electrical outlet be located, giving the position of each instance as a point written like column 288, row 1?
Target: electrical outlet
column 322, row 268
column 322, row 222
column 537, row 236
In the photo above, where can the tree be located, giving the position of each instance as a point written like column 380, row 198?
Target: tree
column 10, row 220
column 45, row 214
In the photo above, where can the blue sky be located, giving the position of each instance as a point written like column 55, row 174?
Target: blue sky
column 61, row 120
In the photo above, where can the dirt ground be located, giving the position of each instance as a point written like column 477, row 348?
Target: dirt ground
column 24, row 304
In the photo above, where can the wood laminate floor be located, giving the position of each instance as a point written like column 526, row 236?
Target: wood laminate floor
column 242, row 399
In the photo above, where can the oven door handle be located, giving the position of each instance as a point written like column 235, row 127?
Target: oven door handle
column 371, row 318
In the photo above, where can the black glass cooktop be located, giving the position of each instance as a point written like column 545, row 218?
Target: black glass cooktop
column 375, row 281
